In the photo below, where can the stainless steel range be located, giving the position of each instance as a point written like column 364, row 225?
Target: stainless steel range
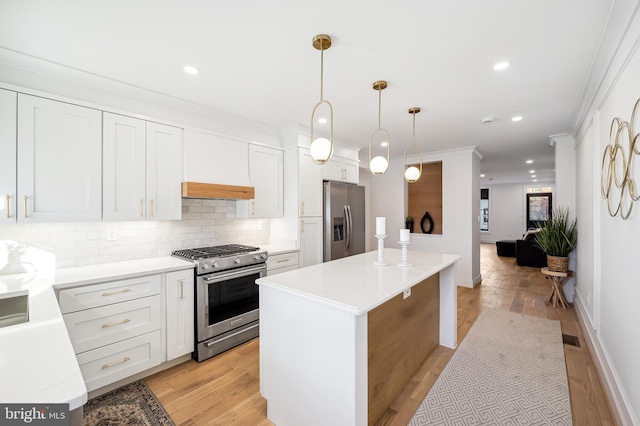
column 227, row 306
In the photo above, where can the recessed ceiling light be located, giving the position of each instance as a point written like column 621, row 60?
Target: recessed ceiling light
column 535, row 180
column 189, row 69
column 533, row 176
column 482, row 175
column 517, row 118
column 322, row 120
column 529, row 161
column 532, row 171
column 384, row 144
column 501, row 66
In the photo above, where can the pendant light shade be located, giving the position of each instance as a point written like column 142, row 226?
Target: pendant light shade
column 321, row 149
column 413, row 173
column 378, row 165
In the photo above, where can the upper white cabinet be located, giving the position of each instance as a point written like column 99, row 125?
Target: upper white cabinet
column 59, row 161
column 8, row 114
column 266, row 176
column 142, row 164
column 341, row 169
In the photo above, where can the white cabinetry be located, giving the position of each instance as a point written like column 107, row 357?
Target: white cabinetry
column 282, row 262
column 180, row 313
column 310, row 241
column 341, row 169
column 310, row 185
column 142, row 164
column 8, row 114
column 115, row 328
column 266, row 176
column 59, row 161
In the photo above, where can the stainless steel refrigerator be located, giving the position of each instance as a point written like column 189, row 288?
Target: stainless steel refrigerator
column 343, row 220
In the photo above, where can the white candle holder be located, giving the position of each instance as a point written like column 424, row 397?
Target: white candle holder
column 405, row 261
column 380, row 261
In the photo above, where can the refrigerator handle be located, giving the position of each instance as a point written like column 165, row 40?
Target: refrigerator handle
column 346, row 228
column 350, row 227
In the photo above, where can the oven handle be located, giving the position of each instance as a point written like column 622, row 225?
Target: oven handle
column 208, row 344
column 235, row 274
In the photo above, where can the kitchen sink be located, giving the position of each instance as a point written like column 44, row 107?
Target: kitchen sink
column 14, row 308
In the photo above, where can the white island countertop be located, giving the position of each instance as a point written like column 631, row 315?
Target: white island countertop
column 353, row 284
column 37, row 361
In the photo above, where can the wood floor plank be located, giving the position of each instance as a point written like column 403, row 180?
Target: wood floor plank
column 225, row 390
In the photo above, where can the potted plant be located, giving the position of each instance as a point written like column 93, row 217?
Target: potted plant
column 408, row 223
column 557, row 238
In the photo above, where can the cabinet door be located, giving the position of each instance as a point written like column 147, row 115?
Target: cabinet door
column 266, row 174
column 351, row 171
column 123, row 163
column 310, row 188
column 180, row 308
column 333, row 170
column 164, row 172
column 310, row 241
column 59, row 161
column 8, row 112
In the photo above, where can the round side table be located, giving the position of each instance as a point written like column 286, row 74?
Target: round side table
column 557, row 279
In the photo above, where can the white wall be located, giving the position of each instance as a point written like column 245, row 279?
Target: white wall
column 460, row 209
column 508, row 211
column 607, row 291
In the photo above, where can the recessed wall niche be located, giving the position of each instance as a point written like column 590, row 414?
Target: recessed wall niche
column 424, row 196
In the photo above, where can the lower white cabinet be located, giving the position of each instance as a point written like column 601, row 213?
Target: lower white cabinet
column 180, row 313
column 282, row 262
column 115, row 327
column 117, row 361
column 310, row 241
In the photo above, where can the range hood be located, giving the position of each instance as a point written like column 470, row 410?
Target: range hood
column 212, row 190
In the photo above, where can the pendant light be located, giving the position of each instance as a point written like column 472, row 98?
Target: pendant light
column 322, row 148
column 412, row 173
column 378, row 165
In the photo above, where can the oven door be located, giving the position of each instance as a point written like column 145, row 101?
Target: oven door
column 227, row 300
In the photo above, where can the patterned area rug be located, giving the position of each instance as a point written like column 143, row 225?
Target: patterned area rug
column 508, row 370
column 133, row 404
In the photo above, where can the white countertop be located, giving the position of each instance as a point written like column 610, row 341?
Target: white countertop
column 353, row 284
column 36, row 358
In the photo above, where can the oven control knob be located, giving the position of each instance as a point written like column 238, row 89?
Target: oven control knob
column 205, row 266
column 215, row 264
column 237, row 260
column 264, row 255
column 256, row 257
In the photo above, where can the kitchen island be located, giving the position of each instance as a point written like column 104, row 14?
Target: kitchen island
column 340, row 340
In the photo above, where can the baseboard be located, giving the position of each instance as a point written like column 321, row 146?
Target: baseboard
column 620, row 404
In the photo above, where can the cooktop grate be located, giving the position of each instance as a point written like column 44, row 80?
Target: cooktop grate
column 214, row 251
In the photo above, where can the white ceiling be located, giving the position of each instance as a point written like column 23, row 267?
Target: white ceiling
column 257, row 62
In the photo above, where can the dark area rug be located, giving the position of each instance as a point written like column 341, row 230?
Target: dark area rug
column 133, row 404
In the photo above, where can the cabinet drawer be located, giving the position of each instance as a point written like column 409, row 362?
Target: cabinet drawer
column 114, row 362
column 91, row 296
column 281, row 270
column 93, row 328
column 283, row 260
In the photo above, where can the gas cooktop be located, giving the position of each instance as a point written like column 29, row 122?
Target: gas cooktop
column 214, row 251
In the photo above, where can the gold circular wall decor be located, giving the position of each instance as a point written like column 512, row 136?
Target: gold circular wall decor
column 617, row 166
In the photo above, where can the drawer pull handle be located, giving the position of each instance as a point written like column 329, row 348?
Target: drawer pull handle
column 8, row 206
column 25, row 207
column 141, row 207
column 124, row 321
column 115, row 292
column 125, row 359
column 181, row 289
column 151, row 202
column 283, row 260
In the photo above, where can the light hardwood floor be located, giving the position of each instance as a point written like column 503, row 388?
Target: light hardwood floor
column 224, row 390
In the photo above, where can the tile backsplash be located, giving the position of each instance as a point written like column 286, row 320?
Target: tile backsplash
column 204, row 223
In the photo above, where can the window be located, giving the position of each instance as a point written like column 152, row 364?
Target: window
column 484, row 209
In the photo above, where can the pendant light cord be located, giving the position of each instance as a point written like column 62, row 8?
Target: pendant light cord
column 321, row 73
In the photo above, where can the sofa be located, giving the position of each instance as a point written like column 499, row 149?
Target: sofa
column 526, row 251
